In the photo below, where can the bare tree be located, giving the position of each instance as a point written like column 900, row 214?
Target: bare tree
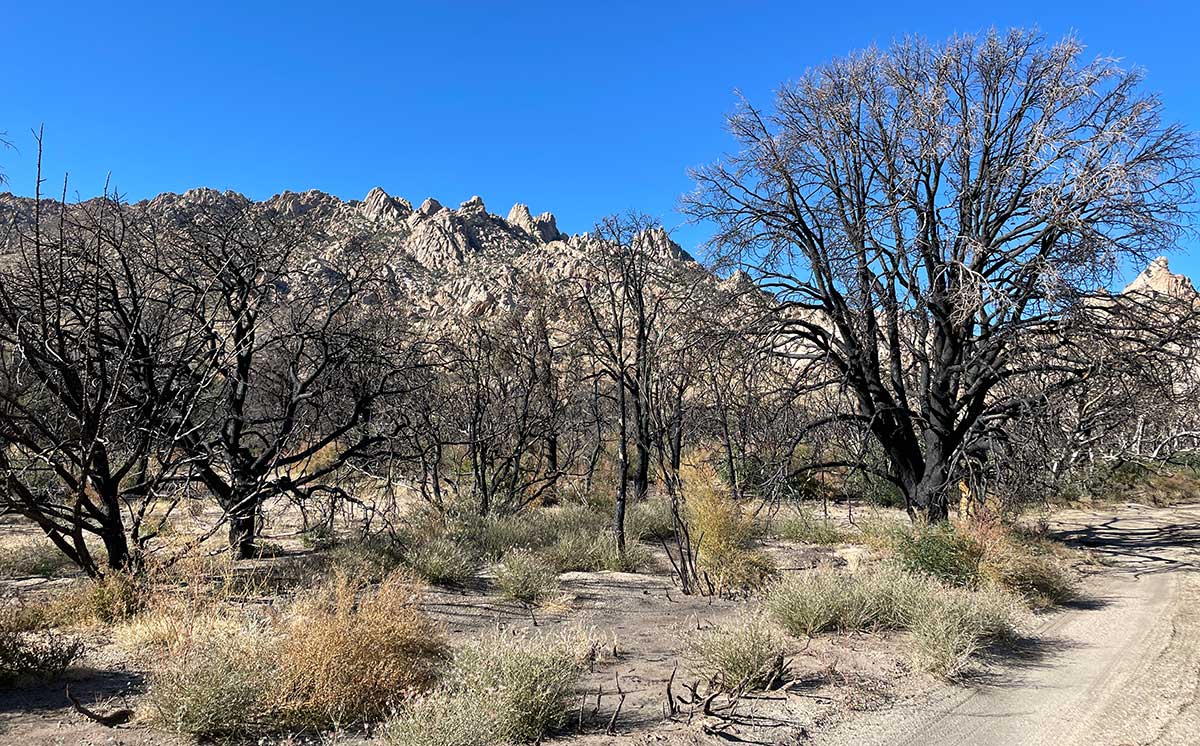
column 300, row 350
column 926, row 213
column 624, row 295
column 94, row 368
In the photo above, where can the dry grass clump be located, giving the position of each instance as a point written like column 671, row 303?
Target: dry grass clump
column 34, row 558
column 500, row 690
column 28, row 651
column 147, row 636
column 1024, row 563
column 113, row 598
column 800, row 525
column 526, row 576
column 211, row 683
column 879, row 531
column 741, row 655
column 724, row 532
column 948, row 625
column 341, row 655
column 449, row 548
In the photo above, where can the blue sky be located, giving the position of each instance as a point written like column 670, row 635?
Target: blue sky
column 582, row 109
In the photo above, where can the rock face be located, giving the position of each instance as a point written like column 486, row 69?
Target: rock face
column 1158, row 279
column 442, row 261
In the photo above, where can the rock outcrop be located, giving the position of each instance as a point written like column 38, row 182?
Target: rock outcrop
column 1158, row 279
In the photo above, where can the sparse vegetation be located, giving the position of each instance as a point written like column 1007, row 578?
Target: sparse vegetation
column 499, row 690
column 525, row 576
column 744, row 654
column 801, row 525
column 35, row 558
column 29, row 652
column 948, row 624
column 591, row 552
column 342, row 655
column 241, row 438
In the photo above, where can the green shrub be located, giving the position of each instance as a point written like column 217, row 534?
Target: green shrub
column 441, row 561
column 941, row 552
column 948, row 629
column 822, row 600
column 211, row 685
column 536, row 528
column 525, row 576
column 580, row 551
column 744, row 654
column 650, row 520
column 499, row 690
column 373, row 558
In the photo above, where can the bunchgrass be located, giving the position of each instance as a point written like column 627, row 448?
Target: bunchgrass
column 343, row 654
column 744, row 654
column 499, row 690
column 948, row 624
column 800, row 525
column 525, row 576
column 34, row 558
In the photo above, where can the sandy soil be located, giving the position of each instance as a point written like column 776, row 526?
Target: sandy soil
column 1120, row 667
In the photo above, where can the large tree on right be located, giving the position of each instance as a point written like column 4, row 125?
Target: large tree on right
column 935, row 221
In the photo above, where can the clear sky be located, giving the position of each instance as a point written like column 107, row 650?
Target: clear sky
column 580, row 108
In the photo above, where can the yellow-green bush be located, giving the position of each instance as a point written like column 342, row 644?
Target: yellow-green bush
column 724, row 533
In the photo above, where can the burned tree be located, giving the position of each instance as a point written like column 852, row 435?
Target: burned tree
column 927, row 213
column 300, row 350
column 95, row 366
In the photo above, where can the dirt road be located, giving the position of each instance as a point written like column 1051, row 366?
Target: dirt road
column 1121, row 667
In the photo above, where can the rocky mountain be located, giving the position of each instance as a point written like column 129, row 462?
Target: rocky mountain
column 442, row 260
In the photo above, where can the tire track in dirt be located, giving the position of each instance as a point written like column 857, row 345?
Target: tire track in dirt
column 1118, row 669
